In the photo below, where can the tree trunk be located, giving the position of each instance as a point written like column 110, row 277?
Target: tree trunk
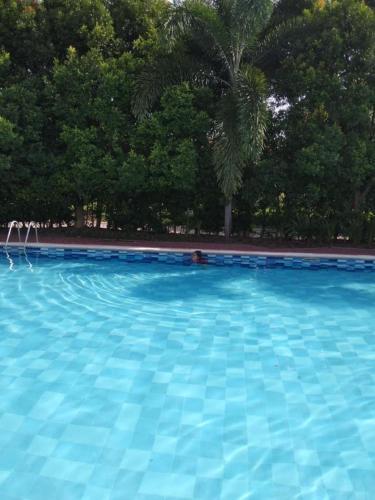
column 228, row 219
column 99, row 215
column 80, row 217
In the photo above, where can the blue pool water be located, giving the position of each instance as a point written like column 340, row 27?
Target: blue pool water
column 149, row 381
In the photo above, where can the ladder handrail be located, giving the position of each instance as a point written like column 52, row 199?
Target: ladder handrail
column 16, row 224
column 13, row 224
column 31, row 224
column 11, row 263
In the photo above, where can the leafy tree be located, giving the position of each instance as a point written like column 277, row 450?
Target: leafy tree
column 92, row 112
column 326, row 140
column 23, row 37
column 82, row 24
column 286, row 10
column 21, row 104
column 166, row 161
column 136, row 19
column 32, row 35
column 219, row 37
column 9, row 142
column 69, row 144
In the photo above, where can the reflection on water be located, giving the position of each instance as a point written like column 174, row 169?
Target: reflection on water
column 22, row 257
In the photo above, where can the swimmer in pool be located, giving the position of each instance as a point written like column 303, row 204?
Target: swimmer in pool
column 197, row 257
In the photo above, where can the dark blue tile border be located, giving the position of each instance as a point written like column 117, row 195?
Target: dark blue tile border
column 217, row 259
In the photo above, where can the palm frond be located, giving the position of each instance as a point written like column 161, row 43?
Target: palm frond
column 198, row 21
column 171, row 69
column 240, row 128
column 279, row 38
column 249, row 18
column 227, row 147
column 224, row 9
column 156, row 76
column 251, row 90
column 152, row 80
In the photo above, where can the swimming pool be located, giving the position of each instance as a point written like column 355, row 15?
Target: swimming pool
column 153, row 381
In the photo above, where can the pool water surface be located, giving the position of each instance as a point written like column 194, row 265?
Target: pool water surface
column 151, row 381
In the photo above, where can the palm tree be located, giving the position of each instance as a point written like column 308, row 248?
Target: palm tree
column 210, row 43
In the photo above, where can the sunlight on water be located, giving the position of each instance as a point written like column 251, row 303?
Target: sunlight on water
column 140, row 381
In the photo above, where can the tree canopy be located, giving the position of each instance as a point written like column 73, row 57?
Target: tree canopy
column 151, row 115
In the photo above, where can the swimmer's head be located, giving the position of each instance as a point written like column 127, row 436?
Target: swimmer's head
column 196, row 256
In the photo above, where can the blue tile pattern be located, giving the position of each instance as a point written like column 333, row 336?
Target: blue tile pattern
column 121, row 380
column 217, row 259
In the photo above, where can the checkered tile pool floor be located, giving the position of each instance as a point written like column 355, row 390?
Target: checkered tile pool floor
column 147, row 381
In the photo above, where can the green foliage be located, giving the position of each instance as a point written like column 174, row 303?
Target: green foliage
column 20, row 105
column 82, row 24
column 168, row 155
column 198, row 73
column 9, row 141
column 135, row 22
column 23, row 35
column 91, row 106
column 165, row 143
column 217, row 36
column 325, row 147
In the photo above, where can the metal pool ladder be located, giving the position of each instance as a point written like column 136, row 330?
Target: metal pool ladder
column 16, row 224
column 31, row 224
column 13, row 224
